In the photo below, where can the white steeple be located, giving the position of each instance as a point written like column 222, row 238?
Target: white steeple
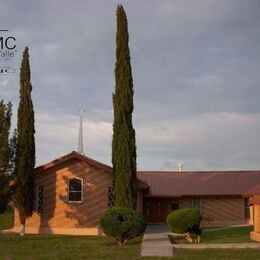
column 80, row 143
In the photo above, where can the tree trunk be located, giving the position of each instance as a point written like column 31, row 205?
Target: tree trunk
column 22, row 222
column 188, row 237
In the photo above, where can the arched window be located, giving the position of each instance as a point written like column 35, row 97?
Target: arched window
column 75, row 190
column 40, row 199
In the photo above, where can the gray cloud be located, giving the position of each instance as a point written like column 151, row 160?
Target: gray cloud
column 195, row 68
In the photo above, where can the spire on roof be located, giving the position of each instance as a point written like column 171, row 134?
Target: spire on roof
column 180, row 166
column 80, row 142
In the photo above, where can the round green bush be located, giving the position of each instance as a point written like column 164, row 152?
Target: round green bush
column 185, row 221
column 123, row 224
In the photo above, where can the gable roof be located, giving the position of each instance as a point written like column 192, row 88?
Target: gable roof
column 216, row 183
column 74, row 155
column 177, row 184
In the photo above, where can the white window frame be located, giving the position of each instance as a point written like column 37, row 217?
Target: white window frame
column 72, row 201
column 199, row 203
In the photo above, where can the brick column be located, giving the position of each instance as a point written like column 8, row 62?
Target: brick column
column 255, row 235
column 257, row 218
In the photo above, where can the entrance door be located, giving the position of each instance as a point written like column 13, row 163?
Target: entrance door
column 156, row 210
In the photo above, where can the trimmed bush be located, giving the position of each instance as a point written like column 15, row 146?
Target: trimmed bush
column 185, row 221
column 122, row 224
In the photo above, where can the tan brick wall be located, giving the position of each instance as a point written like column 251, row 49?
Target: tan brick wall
column 140, row 200
column 185, row 203
column 257, row 218
column 223, row 211
column 255, row 235
column 58, row 213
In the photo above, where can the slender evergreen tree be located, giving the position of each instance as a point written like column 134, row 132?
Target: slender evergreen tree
column 123, row 144
column 25, row 152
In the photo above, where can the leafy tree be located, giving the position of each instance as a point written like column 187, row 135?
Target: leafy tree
column 123, row 144
column 5, row 124
column 4, row 192
column 5, row 153
column 25, row 152
column 12, row 152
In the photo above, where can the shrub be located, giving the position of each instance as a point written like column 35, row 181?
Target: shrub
column 185, row 221
column 123, row 224
column 4, row 193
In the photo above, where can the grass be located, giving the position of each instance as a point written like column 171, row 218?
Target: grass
column 79, row 247
column 69, row 247
column 40, row 247
column 220, row 235
column 65, row 247
column 217, row 254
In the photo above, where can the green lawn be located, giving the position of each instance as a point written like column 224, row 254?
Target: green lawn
column 31, row 247
column 217, row 254
column 64, row 247
column 78, row 247
column 221, row 235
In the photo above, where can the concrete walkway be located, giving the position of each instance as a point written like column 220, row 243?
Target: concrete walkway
column 156, row 241
column 224, row 246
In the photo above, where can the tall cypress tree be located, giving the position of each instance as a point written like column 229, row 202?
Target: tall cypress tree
column 123, row 144
column 25, row 152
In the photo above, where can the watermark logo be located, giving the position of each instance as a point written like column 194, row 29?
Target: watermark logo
column 7, row 70
column 7, row 51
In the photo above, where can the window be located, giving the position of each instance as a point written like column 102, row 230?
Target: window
column 110, row 197
column 159, row 208
column 196, row 203
column 40, row 199
column 75, row 190
column 174, row 206
column 247, row 208
column 147, row 208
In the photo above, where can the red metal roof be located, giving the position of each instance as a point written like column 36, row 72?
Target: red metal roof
column 217, row 183
column 176, row 184
column 74, row 155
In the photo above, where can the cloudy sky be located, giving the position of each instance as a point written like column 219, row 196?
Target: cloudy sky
column 196, row 71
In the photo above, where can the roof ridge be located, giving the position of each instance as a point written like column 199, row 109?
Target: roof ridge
column 203, row 172
column 69, row 156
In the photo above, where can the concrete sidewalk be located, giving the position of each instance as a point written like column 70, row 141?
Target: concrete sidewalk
column 156, row 241
column 224, row 246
